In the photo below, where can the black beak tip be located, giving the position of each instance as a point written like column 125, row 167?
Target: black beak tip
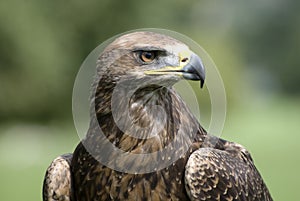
column 201, row 83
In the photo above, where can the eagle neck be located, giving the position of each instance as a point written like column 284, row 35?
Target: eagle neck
column 151, row 117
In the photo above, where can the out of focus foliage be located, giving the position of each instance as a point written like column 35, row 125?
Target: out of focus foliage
column 43, row 44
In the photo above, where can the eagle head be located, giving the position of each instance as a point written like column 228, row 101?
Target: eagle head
column 146, row 56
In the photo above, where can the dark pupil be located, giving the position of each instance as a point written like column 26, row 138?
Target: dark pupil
column 148, row 55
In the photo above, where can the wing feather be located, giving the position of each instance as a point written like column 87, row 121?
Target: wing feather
column 57, row 181
column 214, row 174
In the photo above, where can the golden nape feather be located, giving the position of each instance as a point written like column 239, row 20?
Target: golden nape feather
column 134, row 82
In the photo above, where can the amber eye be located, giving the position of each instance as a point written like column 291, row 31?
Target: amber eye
column 147, row 56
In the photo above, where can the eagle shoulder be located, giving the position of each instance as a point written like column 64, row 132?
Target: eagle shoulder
column 224, row 174
column 58, row 181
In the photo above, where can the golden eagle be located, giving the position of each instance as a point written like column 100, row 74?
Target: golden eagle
column 144, row 123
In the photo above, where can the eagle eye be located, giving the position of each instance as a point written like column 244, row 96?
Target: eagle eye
column 148, row 56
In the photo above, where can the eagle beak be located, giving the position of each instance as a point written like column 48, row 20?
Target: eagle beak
column 190, row 68
column 194, row 69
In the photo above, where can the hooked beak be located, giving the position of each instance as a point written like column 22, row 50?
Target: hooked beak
column 190, row 68
column 194, row 70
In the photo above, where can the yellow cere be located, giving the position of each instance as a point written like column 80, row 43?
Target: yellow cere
column 184, row 57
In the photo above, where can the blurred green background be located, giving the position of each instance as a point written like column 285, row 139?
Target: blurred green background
column 255, row 45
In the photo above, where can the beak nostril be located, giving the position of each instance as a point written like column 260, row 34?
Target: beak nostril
column 184, row 59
